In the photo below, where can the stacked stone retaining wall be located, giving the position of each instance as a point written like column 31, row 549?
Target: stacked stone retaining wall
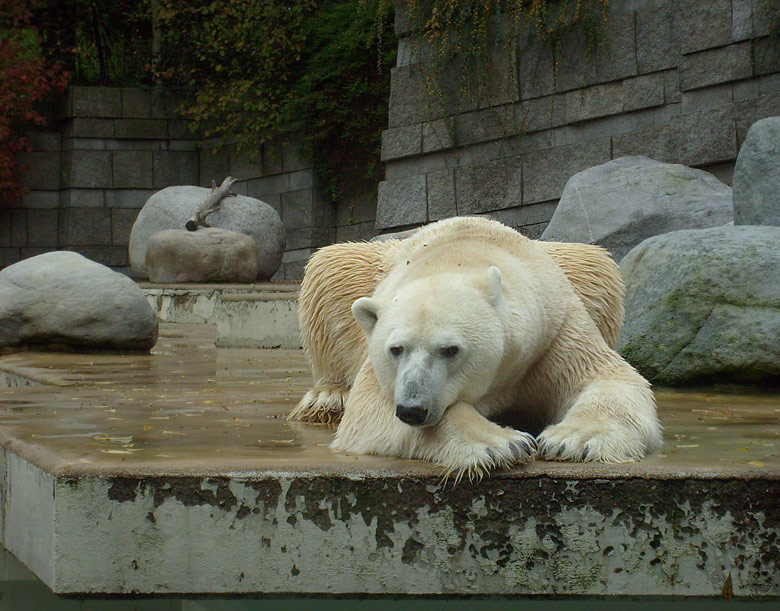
column 676, row 80
column 679, row 81
column 111, row 148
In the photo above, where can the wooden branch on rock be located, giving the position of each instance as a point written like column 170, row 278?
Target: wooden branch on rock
column 211, row 204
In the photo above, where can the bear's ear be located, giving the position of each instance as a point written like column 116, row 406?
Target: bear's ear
column 365, row 310
column 495, row 292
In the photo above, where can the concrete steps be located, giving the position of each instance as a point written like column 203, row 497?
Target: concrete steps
column 257, row 320
column 262, row 315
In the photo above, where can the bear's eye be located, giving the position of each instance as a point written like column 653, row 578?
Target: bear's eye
column 396, row 350
column 450, row 351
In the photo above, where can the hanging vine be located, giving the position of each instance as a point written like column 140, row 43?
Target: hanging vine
column 454, row 41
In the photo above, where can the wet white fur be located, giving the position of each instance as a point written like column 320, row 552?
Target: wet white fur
column 536, row 338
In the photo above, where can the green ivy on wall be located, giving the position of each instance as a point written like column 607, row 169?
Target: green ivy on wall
column 255, row 68
column 343, row 93
column 457, row 41
column 248, row 69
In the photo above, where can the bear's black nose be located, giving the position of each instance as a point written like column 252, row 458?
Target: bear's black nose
column 411, row 415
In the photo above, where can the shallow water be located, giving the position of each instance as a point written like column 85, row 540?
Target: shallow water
column 191, row 407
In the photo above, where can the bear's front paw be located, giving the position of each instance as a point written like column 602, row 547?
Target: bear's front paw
column 580, row 440
column 474, row 458
column 323, row 404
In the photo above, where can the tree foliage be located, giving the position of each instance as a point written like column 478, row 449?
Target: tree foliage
column 26, row 78
column 319, row 66
column 249, row 70
column 100, row 42
column 242, row 59
column 343, row 92
column 255, row 68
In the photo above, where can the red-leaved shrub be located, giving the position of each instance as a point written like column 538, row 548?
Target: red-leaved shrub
column 26, row 78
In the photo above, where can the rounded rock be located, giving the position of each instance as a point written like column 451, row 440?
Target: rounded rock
column 757, row 175
column 620, row 203
column 64, row 299
column 172, row 207
column 703, row 306
column 205, row 255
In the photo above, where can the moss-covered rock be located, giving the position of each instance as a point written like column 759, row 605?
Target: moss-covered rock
column 704, row 306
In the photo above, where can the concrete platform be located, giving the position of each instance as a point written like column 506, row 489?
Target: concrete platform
column 196, row 303
column 257, row 320
column 177, row 472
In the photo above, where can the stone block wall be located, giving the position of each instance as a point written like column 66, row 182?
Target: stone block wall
column 679, row 81
column 111, row 148
column 280, row 176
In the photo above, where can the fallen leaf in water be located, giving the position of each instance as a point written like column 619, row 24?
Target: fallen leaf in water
column 755, row 463
column 148, row 427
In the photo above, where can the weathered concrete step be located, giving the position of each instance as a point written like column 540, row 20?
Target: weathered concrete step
column 9, row 379
column 394, row 531
column 177, row 471
column 257, row 320
column 195, row 303
column 12, row 376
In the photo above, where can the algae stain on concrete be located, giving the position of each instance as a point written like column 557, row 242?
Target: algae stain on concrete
column 293, row 532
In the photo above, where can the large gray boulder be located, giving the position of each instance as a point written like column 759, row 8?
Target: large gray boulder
column 171, row 207
column 205, row 255
column 64, row 299
column 757, row 175
column 704, row 306
column 620, row 203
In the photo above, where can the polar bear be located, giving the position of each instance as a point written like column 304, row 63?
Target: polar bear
column 462, row 325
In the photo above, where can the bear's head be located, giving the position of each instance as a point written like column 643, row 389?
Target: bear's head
column 437, row 340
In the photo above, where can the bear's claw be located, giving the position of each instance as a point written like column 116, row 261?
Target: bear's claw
column 323, row 404
column 575, row 442
column 512, row 449
column 526, row 445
